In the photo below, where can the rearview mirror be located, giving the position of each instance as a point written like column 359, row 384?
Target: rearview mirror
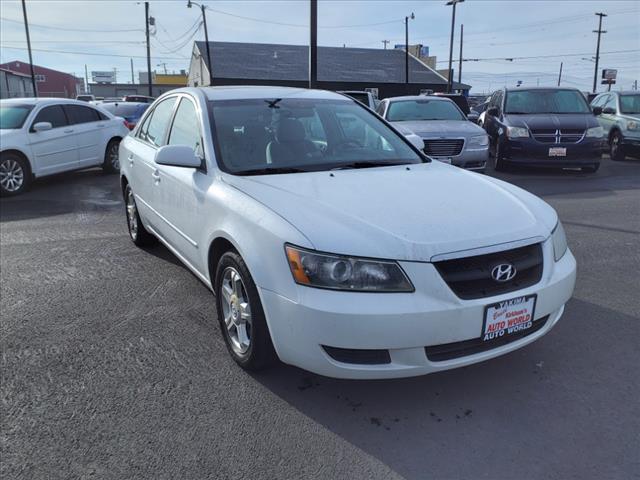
column 597, row 110
column 178, row 156
column 42, row 126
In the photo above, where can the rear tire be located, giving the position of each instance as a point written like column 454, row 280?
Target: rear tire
column 242, row 321
column 616, row 150
column 111, row 157
column 138, row 234
column 15, row 174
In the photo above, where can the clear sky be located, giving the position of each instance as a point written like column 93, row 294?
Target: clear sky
column 106, row 34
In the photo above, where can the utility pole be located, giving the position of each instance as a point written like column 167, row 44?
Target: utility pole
column 560, row 74
column 86, row 79
column 453, row 24
column 406, row 51
column 313, row 43
column 133, row 80
column 599, row 32
column 146, row 23
column 26, row 28
column 460, row 60
column 206, row 38
column 386, row 42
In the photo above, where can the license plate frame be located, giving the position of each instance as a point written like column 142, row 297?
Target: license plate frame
column 509, row 305
column 557, row 151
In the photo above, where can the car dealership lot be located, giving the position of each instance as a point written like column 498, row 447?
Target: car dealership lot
column 113, row 366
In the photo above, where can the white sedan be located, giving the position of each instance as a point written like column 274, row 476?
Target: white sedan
column 40, row 137
column 334, row 244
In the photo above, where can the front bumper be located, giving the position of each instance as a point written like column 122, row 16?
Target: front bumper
column 472, row 159
column 631, row 145
column 528, row 151
column 401, row 323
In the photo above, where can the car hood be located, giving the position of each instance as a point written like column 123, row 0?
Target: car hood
column 630, row 116
column 440, row 128
column 401, row 213
column 543, row 121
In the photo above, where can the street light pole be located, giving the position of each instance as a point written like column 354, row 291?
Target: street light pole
column 406, row 50
column 26, row 27
column 206, row 38
column 599, row 32
column 460, row 59
column 453, row 24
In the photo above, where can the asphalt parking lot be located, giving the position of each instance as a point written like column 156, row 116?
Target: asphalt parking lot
column 113, row 367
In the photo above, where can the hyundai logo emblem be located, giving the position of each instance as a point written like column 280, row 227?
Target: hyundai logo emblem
column 503, row 272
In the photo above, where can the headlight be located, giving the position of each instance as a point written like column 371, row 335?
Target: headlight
column 517, row 132
column 633, row 125
column 595, row 132
column 479, row 141
column 338, row 272
column 559, row 240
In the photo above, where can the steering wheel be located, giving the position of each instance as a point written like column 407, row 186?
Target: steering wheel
column 347, row 142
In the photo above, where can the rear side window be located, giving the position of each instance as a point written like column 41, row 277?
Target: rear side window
column 186, row 127
column 154, row 130
column 53, row 114
column 79, row 114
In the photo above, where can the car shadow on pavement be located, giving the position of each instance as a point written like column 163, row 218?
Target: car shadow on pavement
column 84, row 191
column 496, row 419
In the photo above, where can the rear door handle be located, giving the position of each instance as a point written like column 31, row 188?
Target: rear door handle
column 100, row 125
column 70, row 130
column 130, row 158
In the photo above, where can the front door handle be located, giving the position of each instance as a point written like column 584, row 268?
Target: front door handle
column 69, row 130
column 156, row 176
column 130, row 158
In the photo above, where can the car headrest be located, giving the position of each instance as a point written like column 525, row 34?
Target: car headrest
column 290, row 130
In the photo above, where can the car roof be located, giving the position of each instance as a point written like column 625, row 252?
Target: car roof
column 242, row 92
column 42, row 101
column 516, row 89
column 420, row 97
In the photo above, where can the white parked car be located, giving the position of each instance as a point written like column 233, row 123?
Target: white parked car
column 40, row 137
column 334, row 244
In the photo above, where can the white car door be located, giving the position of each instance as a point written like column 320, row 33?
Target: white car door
column 181, row 191
column 143, row 171
column 52, row 150
column 89, row 130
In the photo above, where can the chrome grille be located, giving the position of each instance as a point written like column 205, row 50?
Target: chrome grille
column 567, row 135
column 445, row 147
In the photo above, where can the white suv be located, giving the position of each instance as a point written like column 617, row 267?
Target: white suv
column 334, row 244
column 40, row 137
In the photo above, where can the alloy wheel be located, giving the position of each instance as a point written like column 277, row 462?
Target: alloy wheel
column 236, row 311
column 132, row 215
column 113, row 157
column 615, row 146
column 11, row 175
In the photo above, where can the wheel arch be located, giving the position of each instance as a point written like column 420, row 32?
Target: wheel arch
column 218, row 247
column 21, row 154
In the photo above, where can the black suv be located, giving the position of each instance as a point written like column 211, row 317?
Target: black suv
column 544, row 127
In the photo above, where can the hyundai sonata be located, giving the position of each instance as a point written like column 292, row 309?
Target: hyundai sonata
column 332, row 243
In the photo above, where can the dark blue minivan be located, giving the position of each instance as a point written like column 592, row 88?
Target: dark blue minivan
column 544, row 127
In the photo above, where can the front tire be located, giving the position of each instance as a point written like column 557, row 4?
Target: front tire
column 15, row 174
column 139, row 235
column 111, row 157
column 242, row 321
column 616, row 151
column 499, row 163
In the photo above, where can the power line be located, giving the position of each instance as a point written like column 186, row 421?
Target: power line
column 96, row 54
column 93, row 30
column 510, row 59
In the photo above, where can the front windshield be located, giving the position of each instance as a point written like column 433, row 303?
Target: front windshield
column 630, row 103
column 13, row 116
column 271, row 135
column 545, row 101
column 412, row 110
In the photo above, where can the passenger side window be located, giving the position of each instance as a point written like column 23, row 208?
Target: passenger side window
column 78, row 114
column 611, row 102
column 54, row 115
column 154, row 133
column 599, row 101
column 186, row 127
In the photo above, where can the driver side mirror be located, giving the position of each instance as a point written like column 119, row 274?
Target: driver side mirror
column 609, row 110
column 597, row 110
column 493, row 111
column 178, row 156
column 42, row 126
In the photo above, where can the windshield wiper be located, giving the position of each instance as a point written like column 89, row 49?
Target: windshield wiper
column 270, row 171
column 367, row 164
